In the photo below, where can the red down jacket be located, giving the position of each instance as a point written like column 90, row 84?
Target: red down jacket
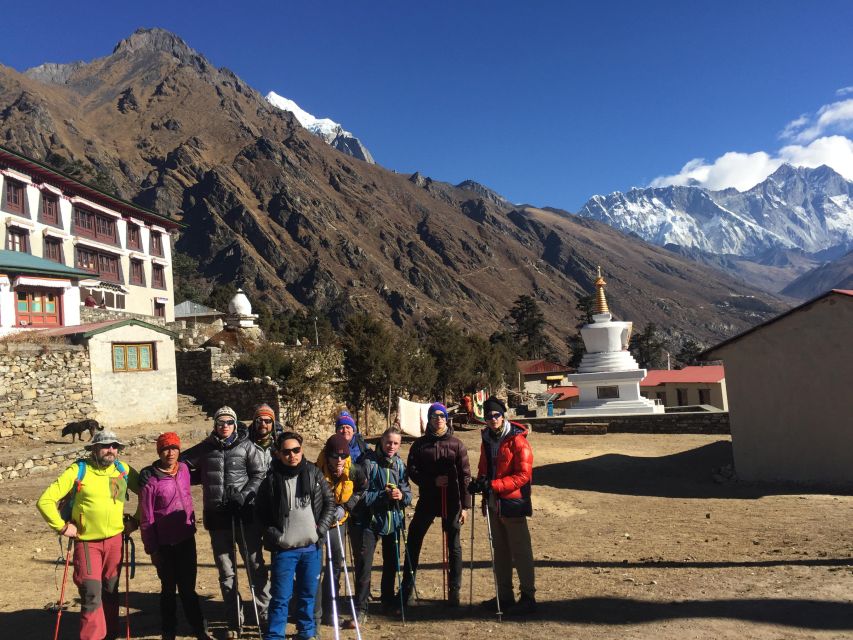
column 513, row 471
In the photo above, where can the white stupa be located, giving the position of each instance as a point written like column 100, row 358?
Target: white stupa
column 608, row 377
column 240, row 314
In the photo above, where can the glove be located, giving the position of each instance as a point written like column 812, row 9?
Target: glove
column 339, row 513
column 235, row 498
column 145, row 476
column 130, row 523
column 480, row 485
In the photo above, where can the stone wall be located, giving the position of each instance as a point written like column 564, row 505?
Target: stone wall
column 699, row 422
column 43, row 387
column 206, row 374
column 94, row 314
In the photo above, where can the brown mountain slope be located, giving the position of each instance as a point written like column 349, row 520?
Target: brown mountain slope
column 298, row 223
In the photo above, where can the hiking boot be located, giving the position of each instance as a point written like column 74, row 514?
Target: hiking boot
column 453, row 598
column 350, row 624
column 525, row 606
column 492, row 603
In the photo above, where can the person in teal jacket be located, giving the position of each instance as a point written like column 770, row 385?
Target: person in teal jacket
column 100, row 484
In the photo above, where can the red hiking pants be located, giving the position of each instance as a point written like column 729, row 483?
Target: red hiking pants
column 97, row 565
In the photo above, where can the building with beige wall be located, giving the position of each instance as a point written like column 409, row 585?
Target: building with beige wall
column 125, row 248
column 790, row 404
column 537, row 376
column 690, row 386
column 132, row 367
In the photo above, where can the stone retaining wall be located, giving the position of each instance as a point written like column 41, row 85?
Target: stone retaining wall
column 698, row 422
column 94, row 314
column 206, row 375
column 43, row 387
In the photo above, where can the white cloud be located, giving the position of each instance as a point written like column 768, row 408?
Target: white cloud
column 837, row 117
column 811, row 147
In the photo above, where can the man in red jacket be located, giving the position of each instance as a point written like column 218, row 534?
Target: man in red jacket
column 505, row 474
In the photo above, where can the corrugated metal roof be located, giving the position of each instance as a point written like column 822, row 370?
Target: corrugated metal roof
column 18, row 262
column 528, row 367
column 707, row 375
column 94, row 328
column 190, row 309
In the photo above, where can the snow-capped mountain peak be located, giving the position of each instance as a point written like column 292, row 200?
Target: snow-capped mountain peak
column 327, row 129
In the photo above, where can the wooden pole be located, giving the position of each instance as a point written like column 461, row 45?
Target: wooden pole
column 388, row 425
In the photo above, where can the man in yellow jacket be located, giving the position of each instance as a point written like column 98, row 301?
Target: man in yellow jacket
column 98, row 487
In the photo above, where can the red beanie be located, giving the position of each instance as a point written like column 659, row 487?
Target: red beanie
column 166, row 440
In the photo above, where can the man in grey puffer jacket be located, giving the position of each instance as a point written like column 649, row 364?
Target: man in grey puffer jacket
column 230, row 468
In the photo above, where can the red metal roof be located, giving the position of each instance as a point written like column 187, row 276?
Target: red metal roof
column 77, row 328
column 707, row 375
column 529, row 367
column 565, row 392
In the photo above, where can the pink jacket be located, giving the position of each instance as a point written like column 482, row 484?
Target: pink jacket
column 167, row 514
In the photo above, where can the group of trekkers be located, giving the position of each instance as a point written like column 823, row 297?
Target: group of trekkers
column 259, row 492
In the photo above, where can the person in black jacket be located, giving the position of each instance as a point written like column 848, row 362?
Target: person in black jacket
column 438, row 464
column 295, row 507
column 230, row 469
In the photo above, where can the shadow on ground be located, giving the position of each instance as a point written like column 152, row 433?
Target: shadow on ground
column 687, row 474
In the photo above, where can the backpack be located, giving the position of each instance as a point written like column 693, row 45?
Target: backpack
column 66, row 504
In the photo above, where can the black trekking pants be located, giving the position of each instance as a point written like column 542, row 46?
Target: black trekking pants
column 418, row 528
column 364, row 543
column 176, row 569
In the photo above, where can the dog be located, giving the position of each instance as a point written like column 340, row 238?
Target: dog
column 76, row 429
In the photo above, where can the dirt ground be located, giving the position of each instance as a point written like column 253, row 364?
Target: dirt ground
column 633, row 539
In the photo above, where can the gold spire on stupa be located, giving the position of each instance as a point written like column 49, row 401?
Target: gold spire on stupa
column 600, row 300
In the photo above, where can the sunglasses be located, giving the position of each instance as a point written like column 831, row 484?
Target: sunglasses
column 337, row 456
column 493, row 416
column 440, row 416
column 287, row 452
column 111, row 445
column 265, row 420
column 224, row 423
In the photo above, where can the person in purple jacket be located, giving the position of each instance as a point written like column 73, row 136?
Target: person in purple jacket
column 167, row 526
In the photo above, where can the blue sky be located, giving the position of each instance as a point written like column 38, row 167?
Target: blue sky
column 546, row 102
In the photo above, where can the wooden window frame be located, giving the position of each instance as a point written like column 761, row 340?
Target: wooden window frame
column 15, row 196
column 155, row 269
column 682, row 393
column 23, row 236
column 99, row 256
column 131, row 352
column 157, row 244
column 53, row 200
column 55, row 243
column 32, row 293
column 133, row 229
column 132, row 279
column 89, row 224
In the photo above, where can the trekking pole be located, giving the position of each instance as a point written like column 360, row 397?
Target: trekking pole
column 444, row 541
column 125, row 538
column 247, row 560
column 346, row 580
column 492, row 552
column 409, row 559
column 236, row 582
column 471, row 572
column 399, row 575
column 329, row 568
column 62, row 590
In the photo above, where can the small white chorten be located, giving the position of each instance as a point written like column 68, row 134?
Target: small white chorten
column 240, row 314
column 608, row 377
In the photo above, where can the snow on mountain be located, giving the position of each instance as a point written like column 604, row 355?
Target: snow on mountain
column 329, row 130
column 795, row 207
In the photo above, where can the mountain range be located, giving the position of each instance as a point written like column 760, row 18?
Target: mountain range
column 272, row 207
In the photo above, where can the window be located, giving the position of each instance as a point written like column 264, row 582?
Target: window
column 133, row 357
column 133, row 241
column 49, row 209
column 156, row 243
column 158, row 276
column 681, row 395
column 704, row 396
column 159, row 310
column 37, row 307
column 104, row 264
column 53, row 250
column 17, row 240
column 93, row 226
column 662, row 397
column 14, row 196
column 137, row 272
column 607, row 393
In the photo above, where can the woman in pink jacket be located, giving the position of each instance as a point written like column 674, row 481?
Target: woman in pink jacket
column 167, row 526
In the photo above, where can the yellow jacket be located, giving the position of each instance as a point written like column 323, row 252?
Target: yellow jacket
column 98, row 505
column 342, row 487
